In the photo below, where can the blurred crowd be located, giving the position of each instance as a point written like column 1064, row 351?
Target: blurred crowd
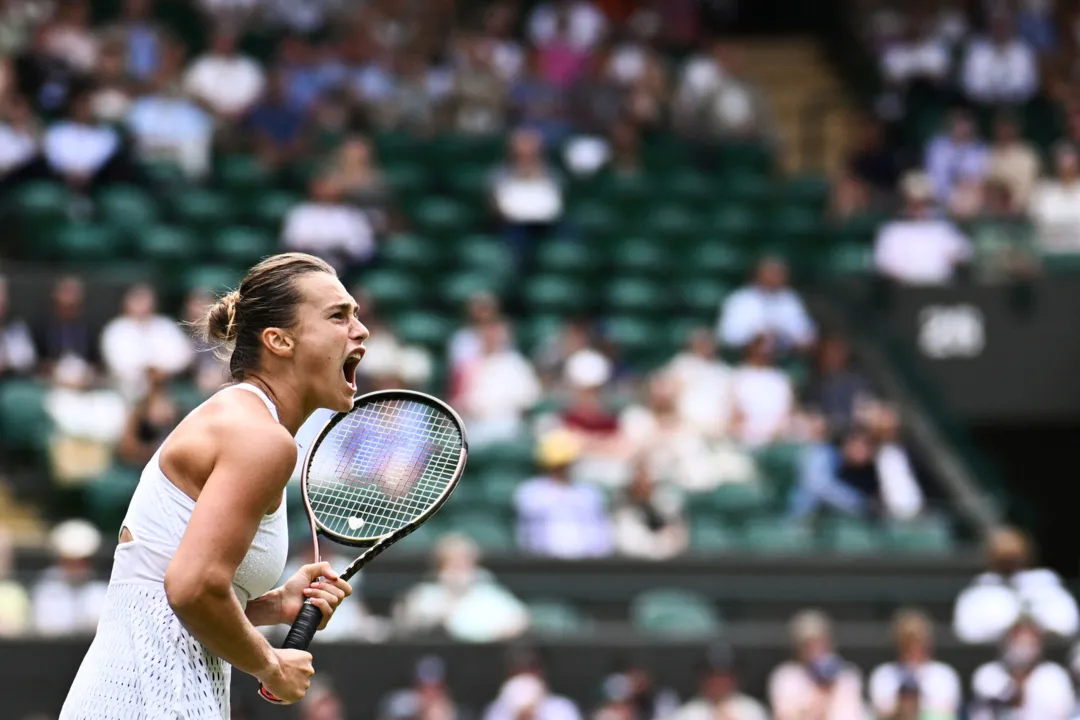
column 1012, row 609
column 977, row 130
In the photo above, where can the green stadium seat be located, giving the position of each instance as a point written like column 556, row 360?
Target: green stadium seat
column 776, row 535
column 748, row 158
column 779, row 464
column 268, row 210
column 810, row 191
column 167, row 243
column 201, row 209
column 594, row 220
column 510, row 457
column 929, row 535
column 487, row 531
column 748, row 188
column 711, row 535
column 643, row 256
column 567, row 257
column 849, row 536
column 554, row 294
column 470, row 183
column 627, row 193
column 39, row 208
column 734, row 224
column 690, row 187
column 424, row 328
column 393, row 291
column 442, row 217
column 240, row 245
column 407, row 180
column 557, row 618
column 422, row 539
column 127, row 207
column 241, row 175
column 635, row 295
column 166, row 174
column 535, row 331
column 795, row 224
column 858, row 230
column 452, row 150
column 739, row 500
column 499, row 488
column 849, row 259
column 412, row 253
column 672, row 223
column 485, row 254
column 674, row 612
column 24, row 423
column 213, row 278
column 720, row 260
column 702, row 297
column 81, row 241
column 1061, row 263
column 459, row 287
column 107, row 497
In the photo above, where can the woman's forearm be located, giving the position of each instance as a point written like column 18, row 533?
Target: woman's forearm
column 214, row 617
column 265, row 609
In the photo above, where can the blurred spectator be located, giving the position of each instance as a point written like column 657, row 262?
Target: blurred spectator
column 428, row 698
column 17, row 352
column 79, row 149
column 767, row 305
column 20, row 139
column 150, row 421
column 1013, row 161
column 836, row 389
column 641, row 698
column 139, row 339
column 527, row 194
column 328, row 227
column 921, row 56
column 562, row 61
column 417, row 102
column 955, row 155
column 718, row 692
column 18, row 20
column 278, row 128
column 898, row 486
column 848, row 198
column 1000, row 68
column 480, row 90
column 321, row 702
column 463, row 599
column 14, row 600
column 168, row 125
column 507, row 54
column 45, row 80
column 496, row 389
column 636, row 67
column 585, row 25
column 356, row 171
column 714, row 97
column 647, row 520
column 873, row 161
column 1010, row 588
column 67, row 36
column 588, row 415
column 539, row 106
column 208, row 372
column 816, row 682
column 555, row 349
column 703, row 383
column 113, row 90
column 558, row 517
column 936, row 685
column 88, row 421
column 466, row 344
column 1021, row 683
column 842, row 477
column 917, row 248
column 527, row 695
column 1055, row 203
column 68, row 599
column 763, row 394
column 223, row 79
column 141, row 37
column 66, row 329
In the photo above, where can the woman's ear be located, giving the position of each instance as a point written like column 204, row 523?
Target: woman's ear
column 279, row 342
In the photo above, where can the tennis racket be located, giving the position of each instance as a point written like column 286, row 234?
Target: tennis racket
column 372, row 476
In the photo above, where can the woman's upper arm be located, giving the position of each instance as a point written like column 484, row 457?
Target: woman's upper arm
column 250, row 473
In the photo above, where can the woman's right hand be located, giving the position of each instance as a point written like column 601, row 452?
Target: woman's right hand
column 290, row 678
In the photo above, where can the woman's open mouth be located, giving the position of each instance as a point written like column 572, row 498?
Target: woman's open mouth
column 348, row 368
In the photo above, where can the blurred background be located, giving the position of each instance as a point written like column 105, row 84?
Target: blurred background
column 760, row 313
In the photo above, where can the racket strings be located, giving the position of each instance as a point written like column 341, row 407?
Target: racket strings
column 383, row 466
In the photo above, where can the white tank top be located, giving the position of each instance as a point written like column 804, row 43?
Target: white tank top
column 159, row 513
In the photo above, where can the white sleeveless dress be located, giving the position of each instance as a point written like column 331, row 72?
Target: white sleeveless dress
column 143, row 664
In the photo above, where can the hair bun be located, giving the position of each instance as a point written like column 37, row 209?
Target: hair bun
column 221, row 322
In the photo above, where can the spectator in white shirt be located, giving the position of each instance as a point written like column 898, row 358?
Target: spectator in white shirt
column 1055, row 203
column 919, row 249
column 937, row 684
column 495, row 389
column 1022, row 684
column 764, row 396
column 226, row 81
column 140, row 339
column 1011, row 587
column 558, row 517
column 703, row 383
column 767, row 305
column 326, row 226
column 526, row 193
column 921, row 56
column 79, row 149
column 465, row 344
column 648, row 520
column 17, row 352
column 816, row 682
column 1013, row 161
column 18, row 137
column 1000, row 68
column 68, row 599
column 718, row 695
column 527, row 696
column 955, row 155
column 68, row 36
column 587, row 24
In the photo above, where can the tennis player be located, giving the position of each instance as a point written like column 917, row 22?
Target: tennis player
column 205, row 536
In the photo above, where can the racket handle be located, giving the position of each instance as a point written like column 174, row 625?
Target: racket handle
column 299, row 637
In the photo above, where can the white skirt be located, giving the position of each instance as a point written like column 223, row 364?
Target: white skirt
column 144, row 665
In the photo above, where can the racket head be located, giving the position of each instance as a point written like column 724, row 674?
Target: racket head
column 375, row 473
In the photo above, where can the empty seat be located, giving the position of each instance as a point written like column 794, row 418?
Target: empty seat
column 556, row 617
column 24, row 424
column 166, row 243
column 243, row 245
column 635, row 295
column 928, row 535
column 674, row 612
column 393, row 290
column 127, row 207
column 554, row 294
column 424, row 328
column 776, row 535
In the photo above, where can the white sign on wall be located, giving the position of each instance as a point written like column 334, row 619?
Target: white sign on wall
column 956, row 331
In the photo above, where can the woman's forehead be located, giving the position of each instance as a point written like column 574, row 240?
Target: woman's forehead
column 321, row 289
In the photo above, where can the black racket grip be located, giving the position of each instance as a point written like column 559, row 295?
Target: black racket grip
column 300, row 636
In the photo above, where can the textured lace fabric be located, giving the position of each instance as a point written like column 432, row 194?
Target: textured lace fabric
column 143, row 665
